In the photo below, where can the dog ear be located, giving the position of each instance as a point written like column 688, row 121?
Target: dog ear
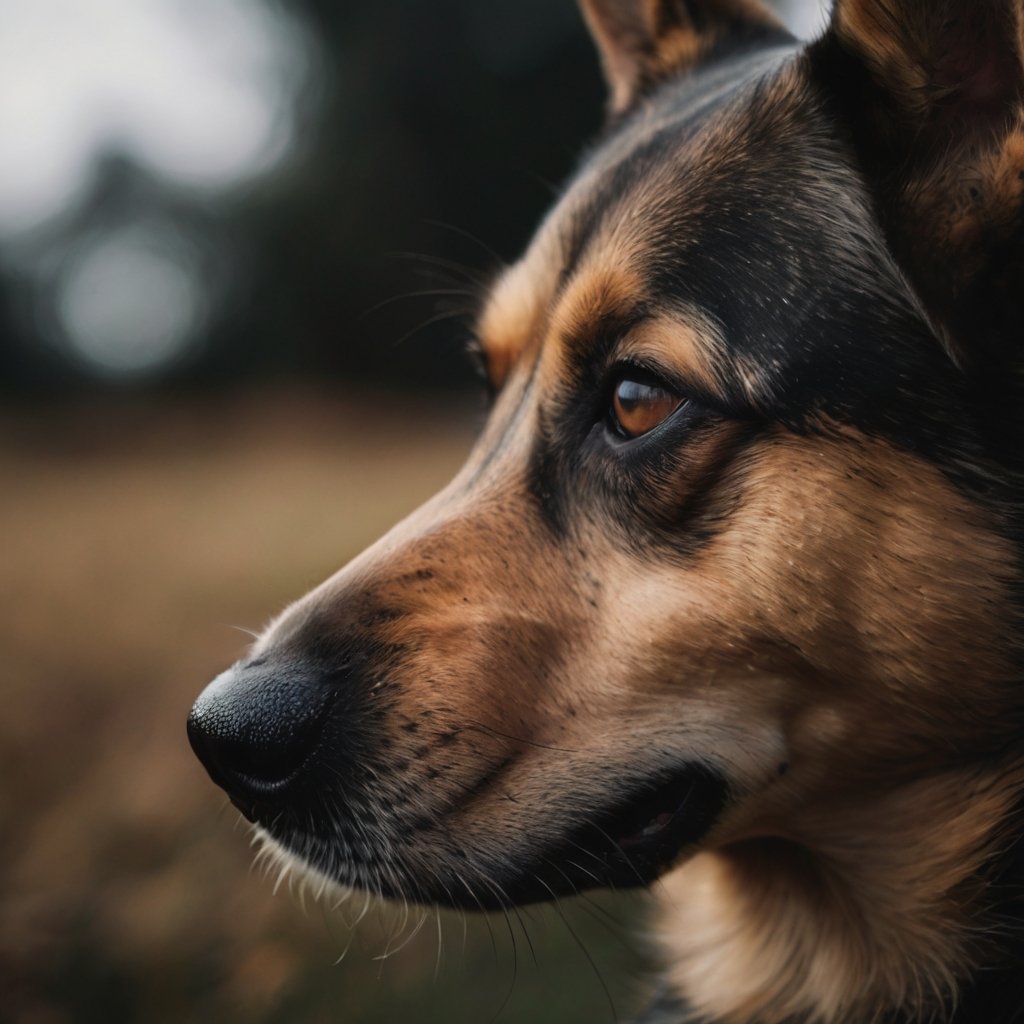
column 934, row 91
column 643, row 42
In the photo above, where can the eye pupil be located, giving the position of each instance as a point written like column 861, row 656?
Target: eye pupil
column 639, row 406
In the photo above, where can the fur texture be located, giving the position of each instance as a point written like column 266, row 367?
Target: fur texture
column 768, row 650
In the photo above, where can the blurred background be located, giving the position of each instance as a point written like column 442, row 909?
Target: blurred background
column 238, row 243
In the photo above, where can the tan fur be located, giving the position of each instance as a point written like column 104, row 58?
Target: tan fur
column 848, row 624
column 848, row 889
column 949, row 117
column 966, row 206
column 689, row 343
column 630, row 48
column 837, row 888
column 513, row 315
column 648, row 41
column 838, row 648
column 914, row 48
column 898, row 54
column 882, row 912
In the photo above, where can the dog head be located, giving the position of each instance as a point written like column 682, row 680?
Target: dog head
column 737, row 540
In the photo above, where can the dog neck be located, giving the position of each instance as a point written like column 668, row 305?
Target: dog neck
column 991, row 997
column 927, row 925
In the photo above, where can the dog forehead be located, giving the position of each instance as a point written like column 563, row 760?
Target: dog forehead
column 594, row 242
column 667, row 212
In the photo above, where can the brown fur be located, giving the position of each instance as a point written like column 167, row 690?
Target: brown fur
column 762, row 930
column 650, row 41
column 825, row 614
column 851, row 889
column 839, row 888
column 848, row 624
column 947, row 112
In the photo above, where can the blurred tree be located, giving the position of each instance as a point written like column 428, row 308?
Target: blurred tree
column 421, row 129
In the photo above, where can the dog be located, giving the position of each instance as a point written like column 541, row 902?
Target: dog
column 729, row 591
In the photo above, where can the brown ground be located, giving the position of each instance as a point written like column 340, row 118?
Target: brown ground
column 133, row 540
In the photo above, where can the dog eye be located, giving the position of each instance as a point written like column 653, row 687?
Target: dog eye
column 640, row 403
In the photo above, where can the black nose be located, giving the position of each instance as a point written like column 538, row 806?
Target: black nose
column 256, row 725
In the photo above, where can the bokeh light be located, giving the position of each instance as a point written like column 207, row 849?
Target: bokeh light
column 199, row 92
column 806, row 18
column 132, row 300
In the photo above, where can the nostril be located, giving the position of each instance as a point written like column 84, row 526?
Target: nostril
column 255, row 726
column 261, row 757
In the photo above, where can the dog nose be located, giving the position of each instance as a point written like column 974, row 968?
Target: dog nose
column 256, row 725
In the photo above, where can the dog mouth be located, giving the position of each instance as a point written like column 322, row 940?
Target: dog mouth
column 626, row 846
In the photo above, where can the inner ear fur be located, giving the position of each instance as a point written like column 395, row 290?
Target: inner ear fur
column 644, row 42
column 934, row 93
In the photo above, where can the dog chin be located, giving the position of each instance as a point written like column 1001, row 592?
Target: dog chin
column 289, row 868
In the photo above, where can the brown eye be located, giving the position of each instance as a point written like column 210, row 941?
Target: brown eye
column 638, row 406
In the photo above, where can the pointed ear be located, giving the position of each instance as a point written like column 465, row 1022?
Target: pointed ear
column 643, row 42
column 934, row 91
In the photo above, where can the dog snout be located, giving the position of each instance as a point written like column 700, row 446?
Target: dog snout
column 256, row 726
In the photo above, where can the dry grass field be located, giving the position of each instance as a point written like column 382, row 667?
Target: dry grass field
column 133, row 540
